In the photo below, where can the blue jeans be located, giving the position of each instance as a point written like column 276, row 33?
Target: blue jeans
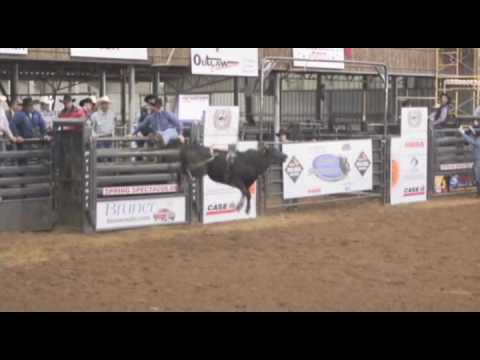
column 169, row 135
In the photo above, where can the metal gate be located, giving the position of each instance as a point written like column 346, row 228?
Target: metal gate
column 26, row 186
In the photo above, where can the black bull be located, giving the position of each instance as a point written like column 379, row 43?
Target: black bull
column 241, row 172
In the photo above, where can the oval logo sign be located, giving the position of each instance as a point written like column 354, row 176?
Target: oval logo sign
column 330, row 168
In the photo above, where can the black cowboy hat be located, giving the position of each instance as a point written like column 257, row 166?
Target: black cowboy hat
column 28, row 101
column 86, row 101
column 67, row 98
column 150, row 99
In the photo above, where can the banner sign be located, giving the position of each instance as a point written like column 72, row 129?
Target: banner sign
column 192, row 107
column 225, row 61
column 456, row 167
column 415, row 122
column 220, row 201
column 327, row 168
column 14, row 51
column 111, row 53
column 409, row 164
column 125, row 214
column 454, row 183
column 140, row 190
column 222, row 122
column 323, row 54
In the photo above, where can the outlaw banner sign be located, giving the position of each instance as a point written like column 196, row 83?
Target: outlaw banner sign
column 225, row 61
column 14, row 51
column 111, row 53
column 327, row 168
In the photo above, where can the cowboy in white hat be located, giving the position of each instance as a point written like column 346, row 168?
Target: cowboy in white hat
column 104, row 121
column 45, row 109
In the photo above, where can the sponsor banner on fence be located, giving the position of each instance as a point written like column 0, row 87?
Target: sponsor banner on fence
column 454, row 183
column 222, row 122
column 192, row 107
column 140, row 190
column 123, row 214
column 220, row 201
column 415, row 122
column 409, row 164
column 456, row 167
column 323, row 54
column 225, row 61
column 327, row 168
column 14, row 51
column 111, row 53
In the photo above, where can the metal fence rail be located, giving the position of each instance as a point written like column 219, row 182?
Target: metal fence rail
column 26, row 186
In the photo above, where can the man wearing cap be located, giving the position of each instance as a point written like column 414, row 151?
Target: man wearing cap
column 162, row 123
column 29, row 123
column 104, row 122
column 70, row 111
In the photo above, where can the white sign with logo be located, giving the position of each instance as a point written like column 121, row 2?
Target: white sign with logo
column 222, row 122
column 220, row 201
column 415, row 122
column 323, row 54
column 409, row 164
column 327, row 168
column 125, row 214
column 225, row 61
column 14, row 51
column 192, row 107
column 111, row 53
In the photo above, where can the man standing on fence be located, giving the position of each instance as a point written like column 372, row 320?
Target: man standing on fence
column 441, row 115
column 165, row 126
column 473, row 138
column 104, row 122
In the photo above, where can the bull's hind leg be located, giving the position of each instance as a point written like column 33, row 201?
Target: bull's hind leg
column 245, row 196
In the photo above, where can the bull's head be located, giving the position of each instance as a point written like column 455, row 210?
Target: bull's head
column 276, row 156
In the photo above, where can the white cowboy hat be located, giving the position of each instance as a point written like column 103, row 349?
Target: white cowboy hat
column 104, row 99
column 45, row 100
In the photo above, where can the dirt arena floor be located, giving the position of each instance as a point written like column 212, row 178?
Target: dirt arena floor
column 362, row 257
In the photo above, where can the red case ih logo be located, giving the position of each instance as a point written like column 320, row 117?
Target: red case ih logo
column 164, row 215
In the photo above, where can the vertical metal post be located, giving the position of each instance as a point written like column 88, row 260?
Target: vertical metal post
column 364, row 127
column 386, row 163
column 236, row 91
column 156, row 82
column 103, row 83
column 123, row 96
column 14, row 81
column 262, row 80
column 278, row 109
column 319, row 99
column 132, row 96
column 395, row 96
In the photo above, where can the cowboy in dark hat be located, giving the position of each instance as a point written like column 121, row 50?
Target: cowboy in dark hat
column 87, row 106
column 70, row 111
column 29, row 123
column 283, row 135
